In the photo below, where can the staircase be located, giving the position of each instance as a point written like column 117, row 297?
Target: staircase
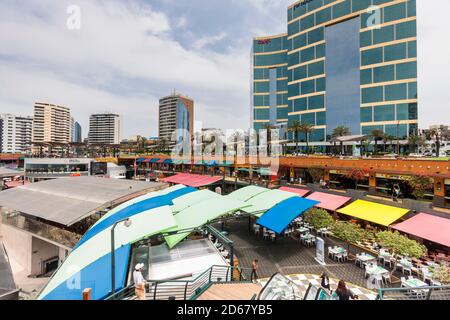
column 231, row 291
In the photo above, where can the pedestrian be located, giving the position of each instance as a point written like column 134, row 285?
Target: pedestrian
column 343, row 293
column 254, row 274
column 139, row 281
column 325, row 281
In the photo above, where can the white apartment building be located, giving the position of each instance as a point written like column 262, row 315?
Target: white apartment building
column 15, row 133
column 51, row 123
column 105, row 128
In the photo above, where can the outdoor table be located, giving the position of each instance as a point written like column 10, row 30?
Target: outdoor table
column 414, row 283
column 303, row 230
column 405, row 264
column 377, row 270
column 338, row 250
column 364, row 257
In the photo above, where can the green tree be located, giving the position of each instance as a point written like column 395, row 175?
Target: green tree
column 340, row 131
column 397, row 243
column 318, row 218
column 296, row 128
column 377, row 136
column 357, row 175
column 419, row 185
column 414, row 141
column 442, row 274
column 316, row 174
column 268, row 128
column 307, row 129
column 349, row 232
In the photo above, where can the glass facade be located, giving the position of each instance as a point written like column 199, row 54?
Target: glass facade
column 342, row 62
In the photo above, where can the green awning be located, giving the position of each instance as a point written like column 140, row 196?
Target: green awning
column 190, row 199
column 266, row 200
column 200, row 214
column 247, row 193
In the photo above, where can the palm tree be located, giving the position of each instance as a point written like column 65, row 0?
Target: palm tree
column 414, row 141
column 437, row 134
column 340, row 131
column 307, row 129
column 377, row 135
column 387, row 138
column 295, row 127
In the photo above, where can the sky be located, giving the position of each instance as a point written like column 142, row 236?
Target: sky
column 128, row 54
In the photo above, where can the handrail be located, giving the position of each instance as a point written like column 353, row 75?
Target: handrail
column 382, row 292
column 188, row 289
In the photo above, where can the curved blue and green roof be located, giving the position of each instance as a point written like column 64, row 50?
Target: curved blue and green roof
column 173, row 212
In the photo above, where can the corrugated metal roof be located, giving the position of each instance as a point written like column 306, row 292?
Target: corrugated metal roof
column 68, row 200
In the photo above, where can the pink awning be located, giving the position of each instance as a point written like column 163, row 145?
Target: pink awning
column 428, row 227
column 299, row 192
column 329, row 201
column 192, row 180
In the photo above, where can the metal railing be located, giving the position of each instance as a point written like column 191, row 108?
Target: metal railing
column 419, row 293
column 187, row 289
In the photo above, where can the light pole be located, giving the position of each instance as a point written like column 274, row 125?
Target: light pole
column 127, row 223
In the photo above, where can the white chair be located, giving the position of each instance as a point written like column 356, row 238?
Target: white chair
column 403, row 280
column 379, row 280
column 387, row 278
column 273, row 236
column 330, row 253
column 366, row 272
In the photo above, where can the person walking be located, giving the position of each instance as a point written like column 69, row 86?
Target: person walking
column 139, row 282
column 254, row 274
column 325, row 283
column 343, row 293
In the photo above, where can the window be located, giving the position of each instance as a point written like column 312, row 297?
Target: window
column 366, row 114
column 396, row 92
column 384, row 113
column 370, row 95
column 384, row 74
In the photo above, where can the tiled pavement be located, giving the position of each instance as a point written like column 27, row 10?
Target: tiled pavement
column 288, row 256
column 303, row 281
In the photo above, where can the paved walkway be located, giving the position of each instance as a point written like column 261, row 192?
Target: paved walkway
column 303, row 281
column 288, row 256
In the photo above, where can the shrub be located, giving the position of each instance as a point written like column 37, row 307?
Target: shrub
column 318, row 218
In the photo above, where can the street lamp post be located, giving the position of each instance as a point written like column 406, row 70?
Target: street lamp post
column 127, row 223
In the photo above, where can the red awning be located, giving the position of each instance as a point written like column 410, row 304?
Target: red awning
column 329, row 201
column 160, row 161
column 428, row 227
column 192, row 180
column 299, row 192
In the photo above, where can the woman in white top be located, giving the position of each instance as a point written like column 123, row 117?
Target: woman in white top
column 139, row 282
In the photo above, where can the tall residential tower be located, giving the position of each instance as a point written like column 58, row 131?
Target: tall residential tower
column 51, row 123
column 341, row 63
column 15, row 133
column 105, row 128
column 176, row 112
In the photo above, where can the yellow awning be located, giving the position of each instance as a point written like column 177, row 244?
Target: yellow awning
column 374, row 212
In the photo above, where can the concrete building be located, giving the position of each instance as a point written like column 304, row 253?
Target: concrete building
column 15, row 133
column 105, row 128
column 176, row 112
column 341, row 63
column 50, row 168
column 51, row 123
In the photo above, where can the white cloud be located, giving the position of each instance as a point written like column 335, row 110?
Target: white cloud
column 205, row 41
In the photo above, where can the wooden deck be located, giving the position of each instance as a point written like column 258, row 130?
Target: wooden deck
column 231, row 291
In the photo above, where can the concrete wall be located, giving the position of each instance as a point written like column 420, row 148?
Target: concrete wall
column 42, row 251
column 18, row 245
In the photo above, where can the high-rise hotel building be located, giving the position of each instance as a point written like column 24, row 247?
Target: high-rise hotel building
column 105, row 128
column 346, row 63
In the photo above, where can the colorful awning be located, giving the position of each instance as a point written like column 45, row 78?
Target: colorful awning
column 265, row 201
column 280, row 216
column 190, row 199
column 154, row 160
column 168, row 161
column 200, row 214
column 140, row 160
column 246, row 193
column 90, row 265
column 192, row 180
column 132, row 210
column 428, row 227
column 297, row 191
column 374, row 212
column 329, row 201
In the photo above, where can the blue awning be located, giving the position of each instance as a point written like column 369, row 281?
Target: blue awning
column 280, row 216
column 154, row 160
column 140, row 160
column 168, row 161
